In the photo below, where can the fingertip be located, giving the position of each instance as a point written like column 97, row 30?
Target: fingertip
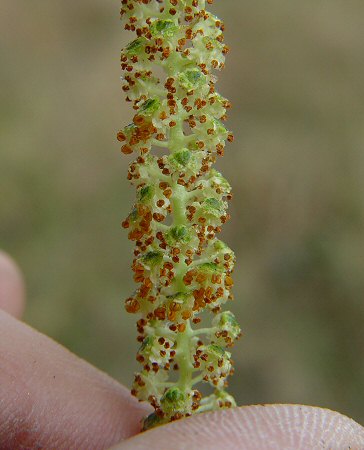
column 268, row 427
column 53, row 400
column 12, row 288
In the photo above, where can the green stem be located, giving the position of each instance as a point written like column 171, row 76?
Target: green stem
column 178, row 202
column 161, row 144
column 177, row 137
column 159, row 331
column 203, row 331
column 184, row 359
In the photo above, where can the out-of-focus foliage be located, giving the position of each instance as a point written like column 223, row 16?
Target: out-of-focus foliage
column 296, row 74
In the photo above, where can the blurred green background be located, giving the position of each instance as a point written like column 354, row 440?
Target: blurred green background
column 296, row 77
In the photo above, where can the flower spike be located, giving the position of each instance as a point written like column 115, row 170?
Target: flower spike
column 181, row 267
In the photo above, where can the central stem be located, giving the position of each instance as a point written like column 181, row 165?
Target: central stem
column 183, row 358
column 178, row 203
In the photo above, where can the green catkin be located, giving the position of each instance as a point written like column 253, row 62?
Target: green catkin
column 181, row 267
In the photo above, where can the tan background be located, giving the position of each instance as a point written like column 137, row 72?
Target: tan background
column 295, row 76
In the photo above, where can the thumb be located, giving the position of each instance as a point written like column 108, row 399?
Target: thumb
column 271, row 427
column 12, row 295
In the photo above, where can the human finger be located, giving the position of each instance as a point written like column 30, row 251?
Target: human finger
column 271, row 427
column 12, row 292
column 51, row 399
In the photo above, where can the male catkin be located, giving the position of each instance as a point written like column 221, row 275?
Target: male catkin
column 181, row 266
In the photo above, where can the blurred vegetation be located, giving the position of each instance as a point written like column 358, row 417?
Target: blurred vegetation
column 295, row 75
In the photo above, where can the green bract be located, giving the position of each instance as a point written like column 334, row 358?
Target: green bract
column 163, row 28
column 136, row 47
column 179, row 234
column 181, row 267
column 174, row 400
column 152, row 258
column 182, row 157
column 149, row 107
column 191, row 78
column 146, row 193
column 209, row 268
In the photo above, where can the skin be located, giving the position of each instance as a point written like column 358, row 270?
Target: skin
column 50, row 399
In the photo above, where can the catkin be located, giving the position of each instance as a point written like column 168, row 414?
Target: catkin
column 181, row 267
